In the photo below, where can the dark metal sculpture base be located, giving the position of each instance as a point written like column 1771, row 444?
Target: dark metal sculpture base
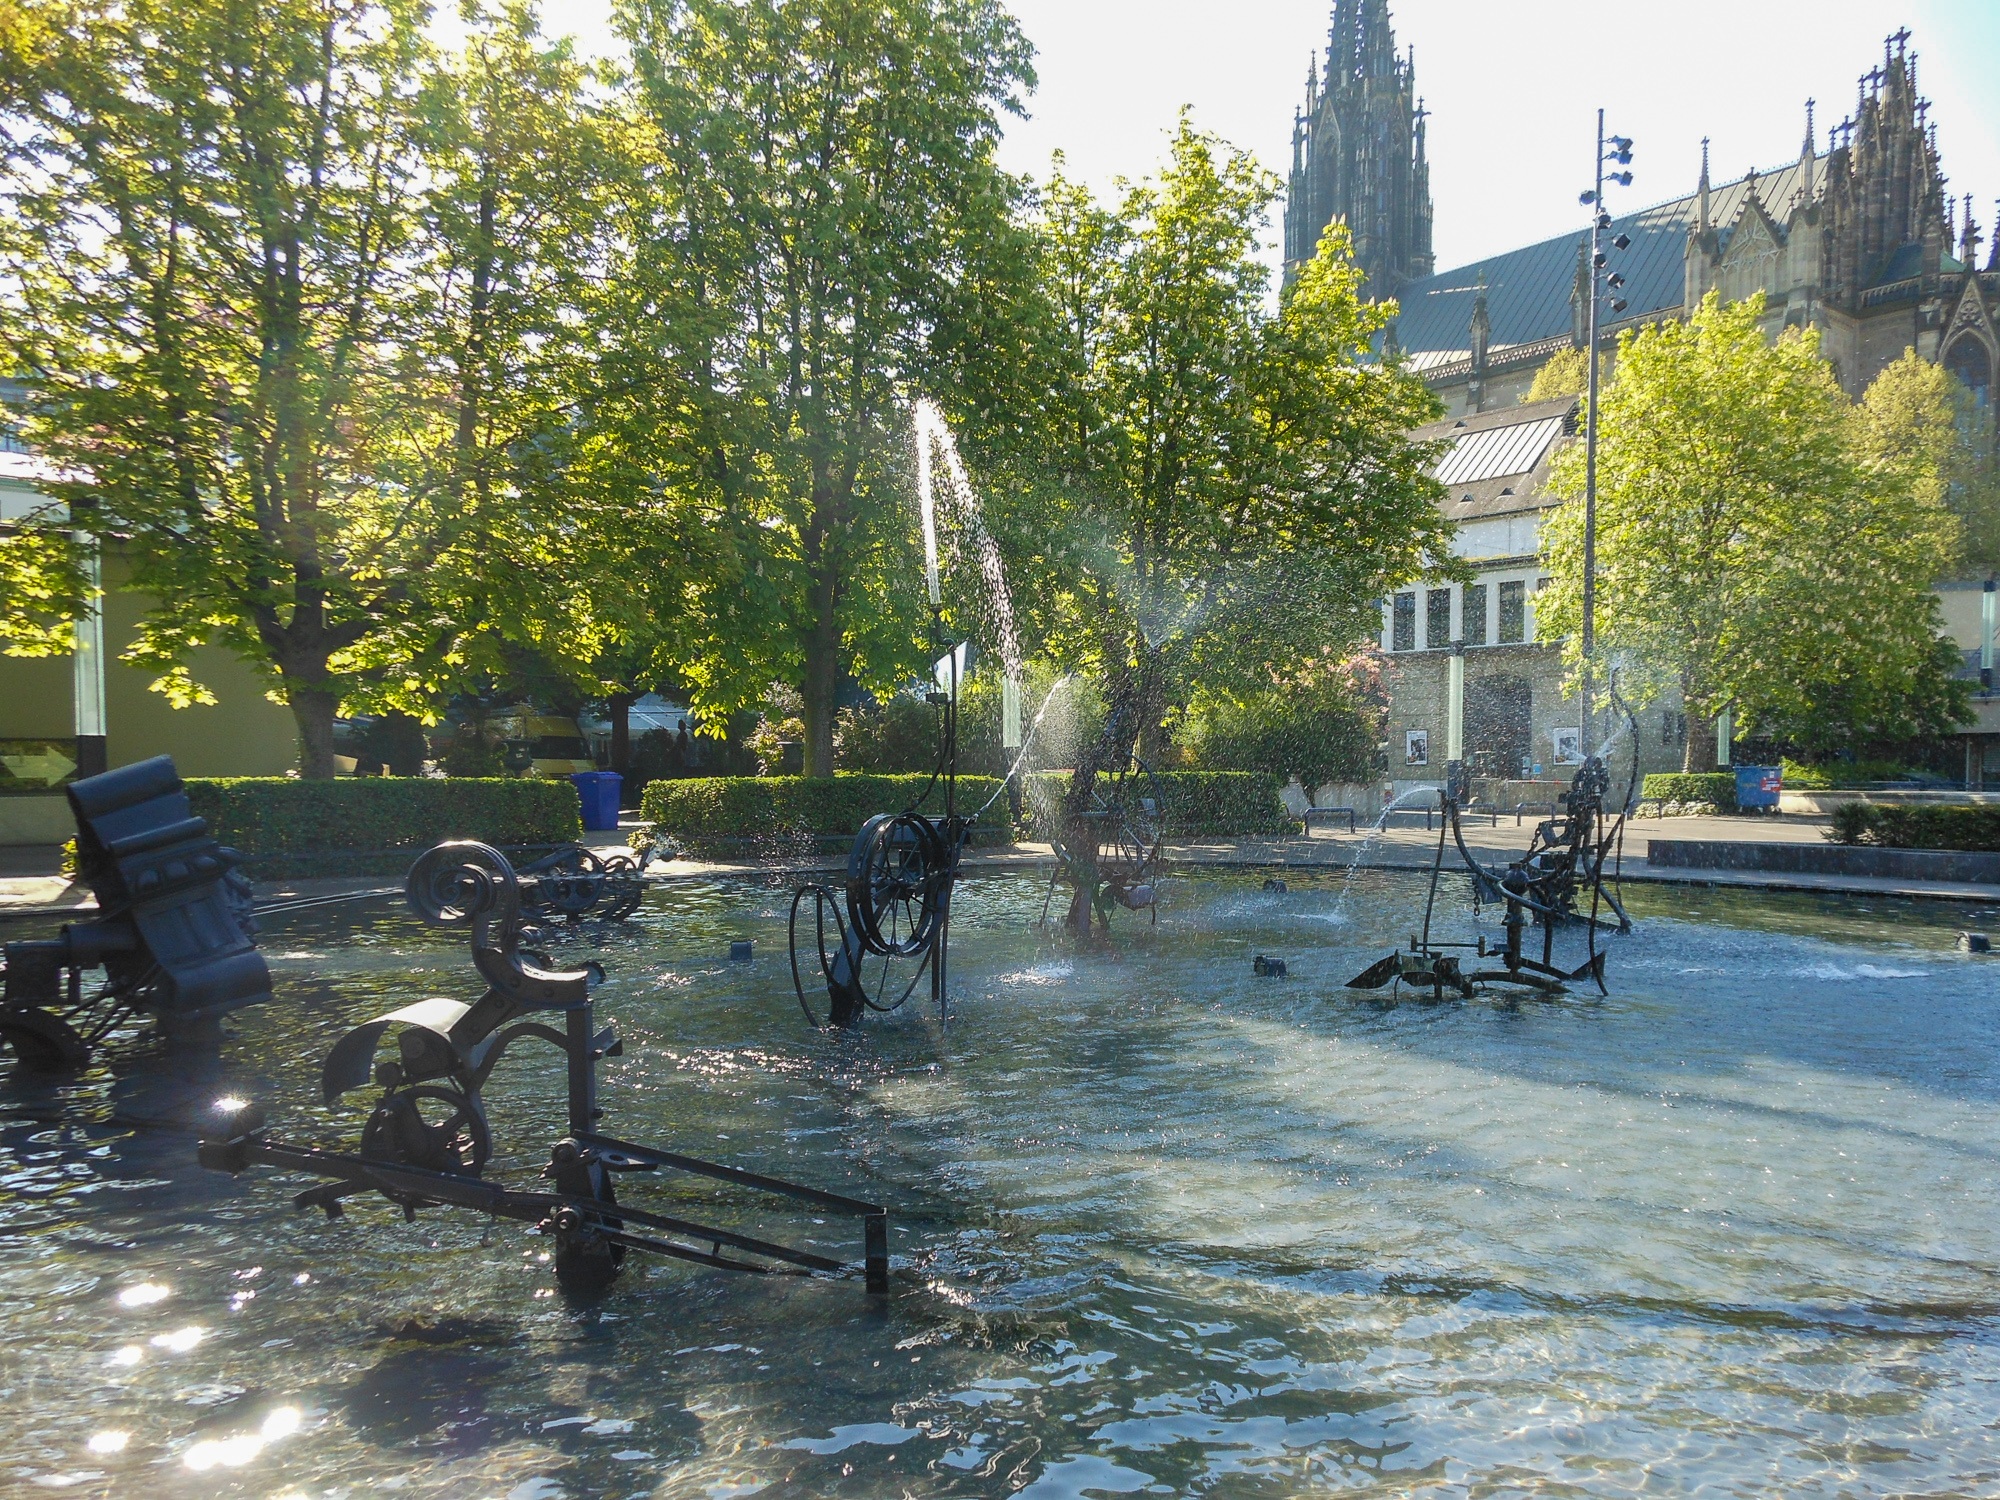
column 427, row 1141
column 173, row 934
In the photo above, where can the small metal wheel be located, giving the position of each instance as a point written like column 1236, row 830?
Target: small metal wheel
column 430, row 1126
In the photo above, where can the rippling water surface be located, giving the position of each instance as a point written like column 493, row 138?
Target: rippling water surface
column 1161, row 1227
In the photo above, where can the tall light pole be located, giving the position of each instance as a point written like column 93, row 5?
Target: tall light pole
column 1620, row 153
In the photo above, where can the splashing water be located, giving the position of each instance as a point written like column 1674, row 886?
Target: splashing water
column 1373, row 837
column 934, row 439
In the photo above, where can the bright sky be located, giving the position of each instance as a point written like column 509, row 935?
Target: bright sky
column 1512, row 86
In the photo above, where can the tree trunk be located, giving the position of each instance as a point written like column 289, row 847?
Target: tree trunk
column 313, row 708
column 1699, row 752
column 621, row 732
column 822, row 679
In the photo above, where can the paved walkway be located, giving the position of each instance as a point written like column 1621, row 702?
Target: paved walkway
column 1406, row 846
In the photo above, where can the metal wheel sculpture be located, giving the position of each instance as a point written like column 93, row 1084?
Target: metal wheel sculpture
column 1117, row 844
column 1572, row 854
column 427, row 1141
column 895, row 907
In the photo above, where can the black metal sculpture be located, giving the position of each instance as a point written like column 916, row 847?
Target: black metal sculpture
column 895, row 906
column 1112, row 850
column 1567, row 860
column 572, row 882
column 173, row 932
column 427, row 1140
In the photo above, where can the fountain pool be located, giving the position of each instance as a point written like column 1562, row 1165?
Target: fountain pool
column 1161, row 1226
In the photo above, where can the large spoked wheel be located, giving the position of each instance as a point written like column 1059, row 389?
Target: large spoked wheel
column 896, row 877
column 430, row 1126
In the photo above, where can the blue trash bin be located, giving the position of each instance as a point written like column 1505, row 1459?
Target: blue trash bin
column 1757, row 786
column 598, row 791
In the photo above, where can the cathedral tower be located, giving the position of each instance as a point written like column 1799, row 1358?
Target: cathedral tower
column 1358, row 154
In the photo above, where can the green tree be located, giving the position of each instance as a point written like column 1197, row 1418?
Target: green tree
column 1920, row 420
column 1751, row 546
column 281, row 282
column 1232, row 488
column 828, row 195
column 1322, row 727
column 1567, row 373
column 1224, row 491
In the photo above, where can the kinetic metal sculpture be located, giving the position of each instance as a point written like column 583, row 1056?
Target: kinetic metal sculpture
column 572, row 882
column 896, row 905
column 427, row 1139
column 173, row 932
column 1565, row 861
column 1111, row 851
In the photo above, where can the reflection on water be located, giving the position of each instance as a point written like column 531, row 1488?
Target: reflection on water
column 1162, row 1226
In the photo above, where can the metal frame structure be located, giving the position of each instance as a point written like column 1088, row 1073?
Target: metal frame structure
column 427, row 1140
column 571, row 882
column 1123, row 866
column 1570, row 855
column 895, row 904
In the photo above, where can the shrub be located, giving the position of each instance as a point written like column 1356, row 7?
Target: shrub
column 1197, row 802
column 715, row 815
column 1318, row 737
column 710, row 815
column 1974, row 828
column 379, row 821
column 1851, row 823
column 1841, row 773
column 897, row 737
column 1717, row 787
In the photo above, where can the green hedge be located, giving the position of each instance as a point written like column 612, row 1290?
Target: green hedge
column 372, row 821
column 1967, row 827
column 1197, row 802
column 718, row 815
column 715, row 815
column 1717, row 787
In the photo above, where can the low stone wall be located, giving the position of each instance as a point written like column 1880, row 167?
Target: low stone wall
column 1825, row 859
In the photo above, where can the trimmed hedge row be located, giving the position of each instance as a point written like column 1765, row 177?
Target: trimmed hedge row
column 276, row 819
column 708, row 815
column 1715, row 787
column 713, row 815
column 1197, row 802
column 1974, row 828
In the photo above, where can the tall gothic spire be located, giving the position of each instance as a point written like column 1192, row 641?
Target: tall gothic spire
column 1703, row 222
column 1363, row 156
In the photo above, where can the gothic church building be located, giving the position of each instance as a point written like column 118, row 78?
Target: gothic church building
column 1857, row 239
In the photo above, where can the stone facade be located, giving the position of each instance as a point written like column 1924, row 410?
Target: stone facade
column 1515, row 701
column 1358, row 153
column 1860, row 242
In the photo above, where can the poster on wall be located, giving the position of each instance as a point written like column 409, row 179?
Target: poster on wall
column 1417, row 747
column 1569, row 746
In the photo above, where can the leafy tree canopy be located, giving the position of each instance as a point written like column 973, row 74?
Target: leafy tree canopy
column 1756, row 541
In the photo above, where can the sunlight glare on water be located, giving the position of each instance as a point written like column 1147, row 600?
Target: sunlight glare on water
column 1160, row 1226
